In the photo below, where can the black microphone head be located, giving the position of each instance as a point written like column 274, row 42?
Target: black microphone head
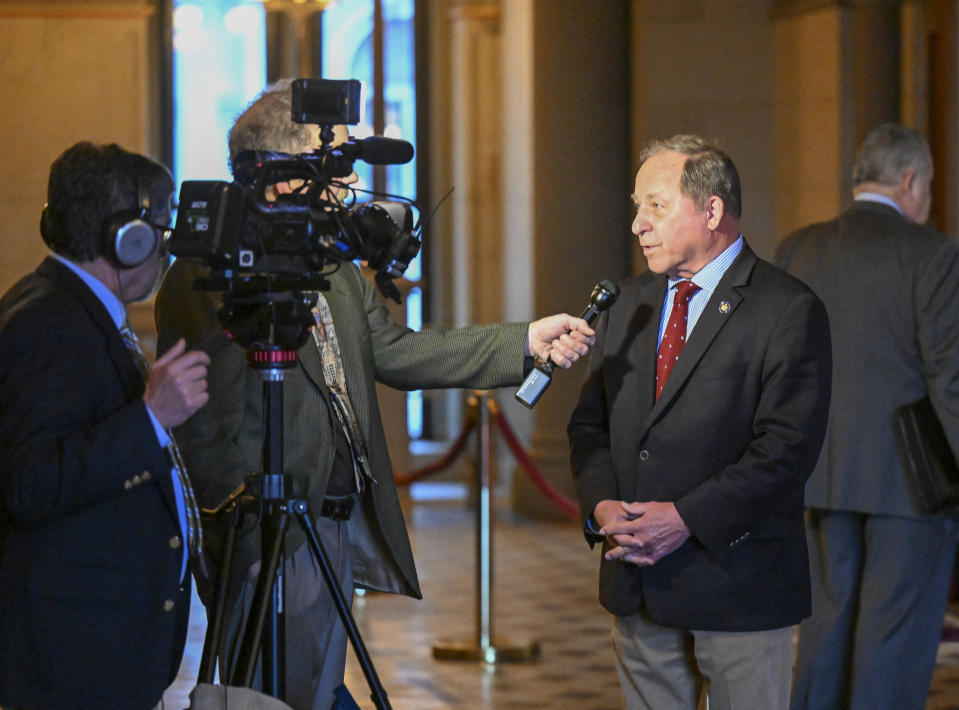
column 378, row 150
column 604, row 294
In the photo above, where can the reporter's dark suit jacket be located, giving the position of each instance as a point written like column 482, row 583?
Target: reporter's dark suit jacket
column 89, row 540
column 731, row 442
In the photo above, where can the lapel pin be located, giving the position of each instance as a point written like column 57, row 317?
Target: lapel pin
column 724, row 307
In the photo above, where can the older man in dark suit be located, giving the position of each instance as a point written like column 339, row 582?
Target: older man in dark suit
column 701, row 417
column 94, row 526
column 880, row 565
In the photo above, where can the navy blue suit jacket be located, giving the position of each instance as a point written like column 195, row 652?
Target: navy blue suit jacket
column 731, row 442
column 89, row 540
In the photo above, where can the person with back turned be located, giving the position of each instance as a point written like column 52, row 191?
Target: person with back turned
column 97, row 522
column 347, row 479
column 701, row 417
column 881, row 565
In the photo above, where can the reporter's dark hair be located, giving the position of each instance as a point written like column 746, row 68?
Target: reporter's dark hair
column 89, row 183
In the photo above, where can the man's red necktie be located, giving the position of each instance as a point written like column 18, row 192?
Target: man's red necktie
column 674, row 336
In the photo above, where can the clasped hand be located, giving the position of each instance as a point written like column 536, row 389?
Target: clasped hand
column 641, row 533
column 561, row 338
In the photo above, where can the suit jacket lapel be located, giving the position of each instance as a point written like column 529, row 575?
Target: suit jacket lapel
column 719, row 310
column 645, row 374
column 123, row 362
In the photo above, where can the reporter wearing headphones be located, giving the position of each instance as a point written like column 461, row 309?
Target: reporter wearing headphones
column 96, row 533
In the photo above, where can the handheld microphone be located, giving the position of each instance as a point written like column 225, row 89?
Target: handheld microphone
column 603, row 296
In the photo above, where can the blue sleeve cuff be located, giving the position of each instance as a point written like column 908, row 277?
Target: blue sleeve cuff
column 163, row 438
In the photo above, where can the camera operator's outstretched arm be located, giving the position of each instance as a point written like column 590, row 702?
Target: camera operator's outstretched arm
column 561, row 337
column 475, row 356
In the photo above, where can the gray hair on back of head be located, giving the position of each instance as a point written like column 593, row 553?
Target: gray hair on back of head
column 888, row 152
column 267, row 124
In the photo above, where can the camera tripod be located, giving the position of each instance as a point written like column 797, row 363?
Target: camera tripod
column 263, row 636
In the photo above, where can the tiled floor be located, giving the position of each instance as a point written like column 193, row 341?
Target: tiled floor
column 544, row 590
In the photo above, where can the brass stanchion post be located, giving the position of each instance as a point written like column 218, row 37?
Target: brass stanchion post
column 486, row 646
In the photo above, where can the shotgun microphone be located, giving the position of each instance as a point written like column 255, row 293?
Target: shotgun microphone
column 376, row 150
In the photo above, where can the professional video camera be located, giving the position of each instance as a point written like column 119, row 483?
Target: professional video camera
column 271, row 239
column 256, row 239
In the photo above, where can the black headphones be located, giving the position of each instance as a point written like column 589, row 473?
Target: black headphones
column 128, row 239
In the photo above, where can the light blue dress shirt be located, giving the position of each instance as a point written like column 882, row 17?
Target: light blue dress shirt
column 876, row 197
column 707, row 278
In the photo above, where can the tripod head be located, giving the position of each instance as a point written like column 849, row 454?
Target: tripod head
column 268, row 322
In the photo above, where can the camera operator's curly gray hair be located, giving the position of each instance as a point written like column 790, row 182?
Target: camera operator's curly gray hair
column 266, row 124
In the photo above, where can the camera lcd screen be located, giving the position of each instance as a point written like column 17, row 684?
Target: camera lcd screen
column 326, row 101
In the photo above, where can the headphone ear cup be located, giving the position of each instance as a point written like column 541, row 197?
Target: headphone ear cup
column 129, row 239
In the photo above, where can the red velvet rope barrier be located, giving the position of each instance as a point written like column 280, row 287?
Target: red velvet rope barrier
column 566, row 506
column 404, row 479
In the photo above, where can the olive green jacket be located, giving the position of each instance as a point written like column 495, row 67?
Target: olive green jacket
column 222, row 442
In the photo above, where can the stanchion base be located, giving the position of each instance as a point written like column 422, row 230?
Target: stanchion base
column 502, row 650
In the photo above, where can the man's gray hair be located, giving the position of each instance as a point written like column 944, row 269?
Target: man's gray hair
column 708, row 170
column 888, row 152
column 267, row 124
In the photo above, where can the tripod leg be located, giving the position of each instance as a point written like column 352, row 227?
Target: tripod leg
column 273, row 641
column 213, row 643
column 378, row 694
column 262, row 598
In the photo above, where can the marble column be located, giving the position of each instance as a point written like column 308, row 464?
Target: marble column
column 837, row 77
column 567, row 175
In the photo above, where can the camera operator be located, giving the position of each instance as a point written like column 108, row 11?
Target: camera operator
column 357, row 511
column 94, row 528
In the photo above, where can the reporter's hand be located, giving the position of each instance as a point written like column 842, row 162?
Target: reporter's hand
column 561, row 338
column 176, row 387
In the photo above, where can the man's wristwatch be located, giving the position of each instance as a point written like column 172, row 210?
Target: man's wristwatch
column 591, row 532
